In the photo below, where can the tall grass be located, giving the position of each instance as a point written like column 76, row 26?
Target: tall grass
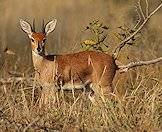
column 25, row 106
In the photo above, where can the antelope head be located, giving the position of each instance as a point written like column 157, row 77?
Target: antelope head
column 38, row 39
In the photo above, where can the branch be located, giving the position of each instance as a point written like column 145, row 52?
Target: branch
column 147, row 8
column 140, row 8
column 125, row 68
column 14, row 79
column 124, row 42
column 10, row 80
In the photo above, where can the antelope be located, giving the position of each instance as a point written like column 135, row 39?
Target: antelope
column 86, row 68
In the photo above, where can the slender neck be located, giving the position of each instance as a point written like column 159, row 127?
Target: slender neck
column 37, row 60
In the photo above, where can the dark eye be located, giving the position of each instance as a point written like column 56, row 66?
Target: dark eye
column 32, row 40
column 44, row 40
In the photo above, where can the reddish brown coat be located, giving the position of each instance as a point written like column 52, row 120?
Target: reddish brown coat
column 79, row 67
column 87, row 66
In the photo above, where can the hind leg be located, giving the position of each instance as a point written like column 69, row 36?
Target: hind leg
column 102, row 85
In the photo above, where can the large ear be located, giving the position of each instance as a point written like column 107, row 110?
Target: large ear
column 50, row 26
column 26, row 27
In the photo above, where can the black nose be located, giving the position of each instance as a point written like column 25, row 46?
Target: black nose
column 38, row 49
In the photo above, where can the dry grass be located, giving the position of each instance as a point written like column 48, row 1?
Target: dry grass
column 25, row 106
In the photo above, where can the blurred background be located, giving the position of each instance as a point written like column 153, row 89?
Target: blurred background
column 73, row 16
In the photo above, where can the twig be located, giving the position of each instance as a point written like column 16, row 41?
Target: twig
column 139, row 17
column 124, row 42
column 125, row 68
column 13, row 79
column 147, row 8
column 140, row 8
column 10, row 80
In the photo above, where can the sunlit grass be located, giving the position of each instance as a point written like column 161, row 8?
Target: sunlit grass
column 27, row 106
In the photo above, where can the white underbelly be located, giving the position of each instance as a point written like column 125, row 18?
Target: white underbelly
column 70, row 86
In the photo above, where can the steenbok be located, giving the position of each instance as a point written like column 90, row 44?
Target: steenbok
column 70, row 71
